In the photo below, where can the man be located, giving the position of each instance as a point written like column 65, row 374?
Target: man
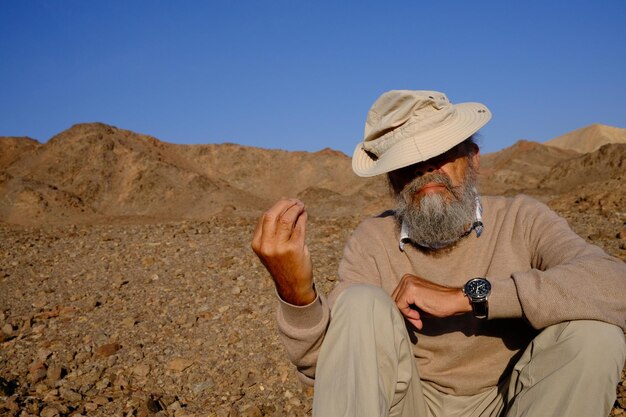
column 453, row 305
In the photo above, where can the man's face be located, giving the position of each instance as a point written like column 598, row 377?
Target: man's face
column 436, row 198
column 453, row 164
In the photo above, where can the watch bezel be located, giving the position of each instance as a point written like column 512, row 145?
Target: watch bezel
column 470, row 289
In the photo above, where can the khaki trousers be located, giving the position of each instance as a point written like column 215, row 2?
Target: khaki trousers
column 570, row 369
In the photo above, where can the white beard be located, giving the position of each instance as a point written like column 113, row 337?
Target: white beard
column 439, row 220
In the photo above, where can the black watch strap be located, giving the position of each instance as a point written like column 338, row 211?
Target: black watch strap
column 480, row 309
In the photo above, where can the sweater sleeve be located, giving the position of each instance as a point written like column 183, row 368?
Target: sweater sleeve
column 569, row 279
column 302, row 328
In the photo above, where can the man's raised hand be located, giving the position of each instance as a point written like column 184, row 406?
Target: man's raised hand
column 279, row 243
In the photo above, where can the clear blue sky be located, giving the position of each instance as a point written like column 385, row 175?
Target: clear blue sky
column 301, row 75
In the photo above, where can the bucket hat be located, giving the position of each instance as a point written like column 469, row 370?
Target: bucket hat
column 405, row 127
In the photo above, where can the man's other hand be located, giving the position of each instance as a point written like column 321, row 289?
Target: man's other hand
column 429, row 298
column 279, row 242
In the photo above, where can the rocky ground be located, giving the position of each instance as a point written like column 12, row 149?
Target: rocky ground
column 173, row 319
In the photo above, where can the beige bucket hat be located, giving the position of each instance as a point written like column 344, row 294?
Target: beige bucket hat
column 405, row 127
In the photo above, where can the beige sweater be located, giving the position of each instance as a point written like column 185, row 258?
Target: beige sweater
column 541, row 273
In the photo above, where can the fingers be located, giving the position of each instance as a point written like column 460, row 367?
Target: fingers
column 417, row 323
column 279, row 223
column 412, row 316
column 404, row 302
column 280, row 213
column 287, row 221
column 299, row 230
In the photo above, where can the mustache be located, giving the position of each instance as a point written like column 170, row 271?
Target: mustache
column 433, row 177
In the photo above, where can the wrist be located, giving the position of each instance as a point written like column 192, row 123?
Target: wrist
column 297, row 297
column 464, row 304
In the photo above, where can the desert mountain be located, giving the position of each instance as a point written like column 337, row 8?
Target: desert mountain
column 593, row 181
column 95, row 172
column 519, row 168
column 272, row 174
column 607, row 162
column 589, row 139
column 12, row 147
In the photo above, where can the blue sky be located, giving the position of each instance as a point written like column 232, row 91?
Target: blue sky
column 301, row 75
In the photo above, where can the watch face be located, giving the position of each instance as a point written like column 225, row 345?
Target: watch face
column 478, row 288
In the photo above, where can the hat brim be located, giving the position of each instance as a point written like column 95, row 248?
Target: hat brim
column 467, row 119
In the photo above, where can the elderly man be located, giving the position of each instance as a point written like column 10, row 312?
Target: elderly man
column 452, row 304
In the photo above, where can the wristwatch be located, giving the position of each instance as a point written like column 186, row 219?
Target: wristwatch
column 478, row 290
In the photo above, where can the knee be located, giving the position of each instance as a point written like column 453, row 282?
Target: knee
column 362, row 299
column 598, row 347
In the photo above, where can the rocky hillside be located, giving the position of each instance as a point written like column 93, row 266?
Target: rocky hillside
column 12, row 147
column 593, row 181
column 519, row 168
column 94, row 172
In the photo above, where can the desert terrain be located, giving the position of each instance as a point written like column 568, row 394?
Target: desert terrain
column 127, row 282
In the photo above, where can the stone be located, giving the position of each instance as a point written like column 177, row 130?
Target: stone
column 49, row 411
column 202, row 386
column 100, row 400
column 204, row 314
column 37, row 372
column 129, row 322
column 69, row 395
column 103, row 384
column 91, row 407
column 119, row 281
column 108, row 349
column 251, row 411
column 174, row 406
column 10, row 405
column 43, row 354
column 54, row 373
column 120, row 382
column 40, row 301
column 179, row 364
column 82, row 357
column 141, row 370
column 7, row 329
column 4, row 337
